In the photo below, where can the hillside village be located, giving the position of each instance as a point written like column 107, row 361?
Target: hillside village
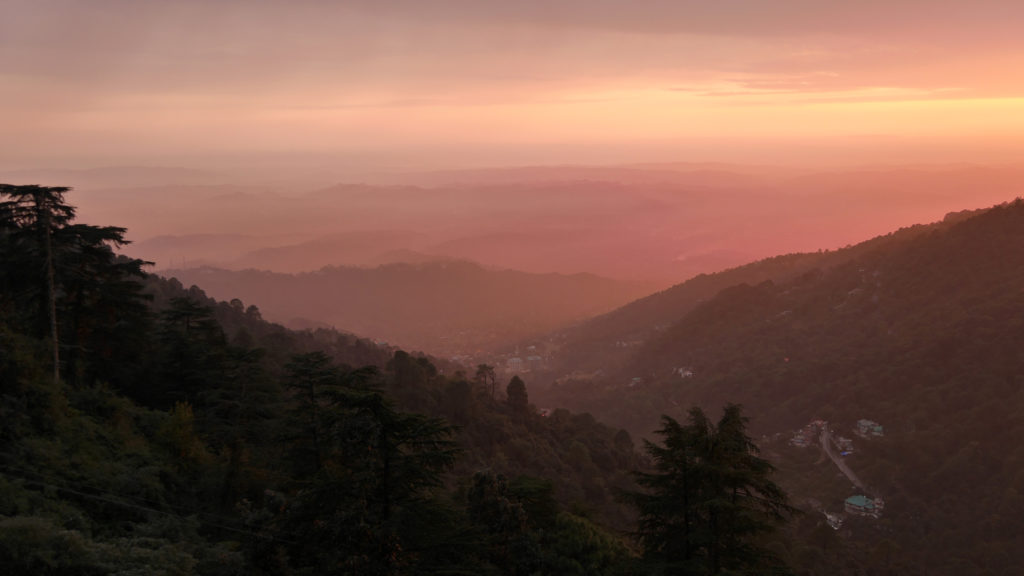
column 817, row 431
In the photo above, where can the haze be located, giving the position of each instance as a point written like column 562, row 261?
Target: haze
column 656, row 140
column 508, row 287
column 453, row 82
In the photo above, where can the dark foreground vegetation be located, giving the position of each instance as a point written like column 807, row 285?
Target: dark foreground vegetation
column 921, row 330
column 146, row 429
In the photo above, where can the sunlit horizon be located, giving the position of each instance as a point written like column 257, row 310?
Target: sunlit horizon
column 451, row 84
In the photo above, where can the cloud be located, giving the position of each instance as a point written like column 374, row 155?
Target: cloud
column 129, row 67
column 747, row 18
column 393, row 49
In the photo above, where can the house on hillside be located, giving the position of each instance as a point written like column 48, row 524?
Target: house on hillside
column 869, row 428
column 845, row 445
column 861, row 505
column 800, row 439
column 514, row 365
column 808, row 434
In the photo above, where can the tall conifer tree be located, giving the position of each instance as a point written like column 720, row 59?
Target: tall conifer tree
column 709, row 499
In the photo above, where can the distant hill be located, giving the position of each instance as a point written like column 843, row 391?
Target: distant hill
column 357, row 248
column 690, row 174
column 190, row 436
column 921, row 330
column 610, row 339
column 441, row 307
column 179, row 251
column 661, row 223
column 115, row 176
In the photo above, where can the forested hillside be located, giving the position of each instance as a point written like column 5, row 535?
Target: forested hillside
column 922, row 330
column 606, row 341
column 147, row 429
column 450, row 308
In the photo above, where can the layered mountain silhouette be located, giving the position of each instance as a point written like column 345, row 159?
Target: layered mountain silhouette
column 452, row 307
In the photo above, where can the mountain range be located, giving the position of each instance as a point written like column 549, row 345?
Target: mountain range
column 448, row 308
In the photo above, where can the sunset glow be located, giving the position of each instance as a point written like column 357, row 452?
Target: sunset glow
column 814, row 124
column 109, row 80
column 397, row 287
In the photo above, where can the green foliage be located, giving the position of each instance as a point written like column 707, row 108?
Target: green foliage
column 32, row 545
column 372, row 472
column 578, row 547
column 504, row 521
column 516, row 396
column 459, row 402
column 62, row 282
column 709, row 499
column 919, row 330
column 486, row 378
column 193, row 352
column 178, row 436
column 190, row 436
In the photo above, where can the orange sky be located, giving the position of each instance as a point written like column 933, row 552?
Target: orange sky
column 467, row 82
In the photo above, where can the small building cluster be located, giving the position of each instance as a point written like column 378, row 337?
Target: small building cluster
column 808, row 435
column 869, row 428
column 514, row 365
column 861, row 505
column 845, row 445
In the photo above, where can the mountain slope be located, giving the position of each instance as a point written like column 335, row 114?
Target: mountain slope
column 447, row 307
column 922, row 332
column 597, row 343
column 210, row 461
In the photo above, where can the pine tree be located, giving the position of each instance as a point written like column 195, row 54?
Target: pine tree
column 35, row 213
column 193, row 352
column 709, row 499
column 486, row 377
column 375, row 470
column 63, row 281
column 516, row 395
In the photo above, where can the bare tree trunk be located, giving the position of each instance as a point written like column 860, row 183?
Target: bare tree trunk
column 51, row 294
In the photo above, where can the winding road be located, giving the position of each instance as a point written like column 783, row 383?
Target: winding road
column 826, row 444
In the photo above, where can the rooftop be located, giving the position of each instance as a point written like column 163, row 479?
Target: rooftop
column 860, row 501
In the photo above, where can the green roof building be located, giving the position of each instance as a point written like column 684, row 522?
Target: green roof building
column 861, row 505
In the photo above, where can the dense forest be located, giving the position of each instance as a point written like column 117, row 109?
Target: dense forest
column 148, row 429
column 920, row 330
column 180, row 435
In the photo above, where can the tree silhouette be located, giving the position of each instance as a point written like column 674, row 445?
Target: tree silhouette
column 709, row 499
column 517, row 398
column 53, row 266
column 486, row 377
column 34, row 213
column 375, row 470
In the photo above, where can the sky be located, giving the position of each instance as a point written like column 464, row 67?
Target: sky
column 450, row 83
